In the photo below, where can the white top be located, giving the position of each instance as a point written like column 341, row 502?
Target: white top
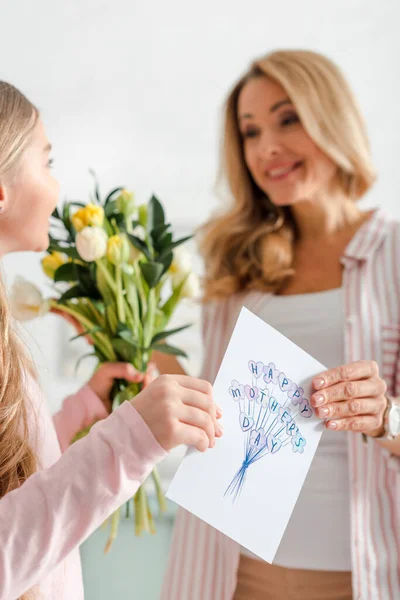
column 318, row 533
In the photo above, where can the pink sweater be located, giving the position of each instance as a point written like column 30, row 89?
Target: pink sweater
column 43, row 523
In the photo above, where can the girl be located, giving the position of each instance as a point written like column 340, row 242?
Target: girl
column 48, row 504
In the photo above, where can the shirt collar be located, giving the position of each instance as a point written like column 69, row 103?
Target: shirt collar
column 368, row 238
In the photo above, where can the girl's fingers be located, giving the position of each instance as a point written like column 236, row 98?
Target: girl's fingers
column 200, row 419
column 193, row 436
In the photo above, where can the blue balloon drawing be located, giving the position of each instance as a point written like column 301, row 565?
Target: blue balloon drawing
column 270, row 411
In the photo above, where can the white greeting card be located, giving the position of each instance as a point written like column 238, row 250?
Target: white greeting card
column 247, row 486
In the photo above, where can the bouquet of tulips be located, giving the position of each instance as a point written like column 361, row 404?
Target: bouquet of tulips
column 118, row 272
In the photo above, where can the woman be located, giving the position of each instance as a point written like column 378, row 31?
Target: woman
column 296, row 249
column 48, row 504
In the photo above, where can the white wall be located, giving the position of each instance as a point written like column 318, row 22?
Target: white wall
column 134, row 89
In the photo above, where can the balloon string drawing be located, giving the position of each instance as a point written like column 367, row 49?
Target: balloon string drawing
column 270, row 412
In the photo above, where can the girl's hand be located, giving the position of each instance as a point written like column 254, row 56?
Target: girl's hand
column 180, row 410
column 103, row 379
column 351, row 397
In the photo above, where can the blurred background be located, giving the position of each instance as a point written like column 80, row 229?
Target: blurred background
column 134, row 90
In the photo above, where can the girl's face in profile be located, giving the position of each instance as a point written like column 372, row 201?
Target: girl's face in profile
column 29, row 197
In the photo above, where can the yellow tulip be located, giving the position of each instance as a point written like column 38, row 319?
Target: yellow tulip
column 88, row 216
column 51, row 262
column 118, row 249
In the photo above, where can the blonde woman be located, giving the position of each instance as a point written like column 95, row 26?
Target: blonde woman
column 296, row 249
column 50, row 504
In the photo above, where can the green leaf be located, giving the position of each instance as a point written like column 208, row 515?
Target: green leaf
column 75, row 292
column 140, row 245
column 164, row 242
column 104, row 288
column 94, row 329
column 70, row 251
column 66, row 272
column 67, row 220
column 174, row 245
column 111, row 194
column 155, row 214
column 124, row 349
column 82, row 358
column 126, row 334
column 56, row 214
column 167, row 349
column 110, row 209
column 65, row 213
column 96, row 186
column 119, row 220
column 166, row 261
column 152, row 272
column 112, row 320
column 159, row 231
column 170, row 305
column 73, row 272
column 164, row 334
column 76, row 203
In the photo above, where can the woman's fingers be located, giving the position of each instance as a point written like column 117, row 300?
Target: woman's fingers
column 361, row 406
column 362, row 369
column 366, row 388
column 364, row 424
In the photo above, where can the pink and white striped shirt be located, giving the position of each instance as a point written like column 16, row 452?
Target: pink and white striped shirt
column 203, row 562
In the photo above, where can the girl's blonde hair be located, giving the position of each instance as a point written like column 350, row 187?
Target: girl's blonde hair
column 18, row 118
column 250, row 246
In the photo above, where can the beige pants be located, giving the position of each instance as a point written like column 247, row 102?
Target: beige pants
column 257, row 580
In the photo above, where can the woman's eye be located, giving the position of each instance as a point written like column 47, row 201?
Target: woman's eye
column 289, row 119
column 50, row 163
column 249, row 133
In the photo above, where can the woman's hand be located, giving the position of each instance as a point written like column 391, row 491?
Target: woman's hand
column 180, row 410
column 351, row 397
column 103, row 379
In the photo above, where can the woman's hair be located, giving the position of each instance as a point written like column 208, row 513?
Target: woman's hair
column 18, row 118
column 250, row 246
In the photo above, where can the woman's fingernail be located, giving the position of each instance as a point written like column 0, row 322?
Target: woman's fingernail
column 319, row 383
column 219, row 430
column 318, row 400
column 332, row 425
column 323, row 412
column 220, row 412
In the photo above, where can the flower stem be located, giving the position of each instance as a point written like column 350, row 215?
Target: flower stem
column 115, row 517
column 119, row 294
column 101, row 340
column 107, row 276
column 160, row 494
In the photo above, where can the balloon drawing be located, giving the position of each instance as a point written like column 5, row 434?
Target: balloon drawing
column 270, row 412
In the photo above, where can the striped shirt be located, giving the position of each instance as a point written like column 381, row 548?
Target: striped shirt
column 203, row 562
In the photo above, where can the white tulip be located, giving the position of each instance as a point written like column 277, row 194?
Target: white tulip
column 91, row 243
column 191, row 287
column 26, row 300
column 182, row 262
